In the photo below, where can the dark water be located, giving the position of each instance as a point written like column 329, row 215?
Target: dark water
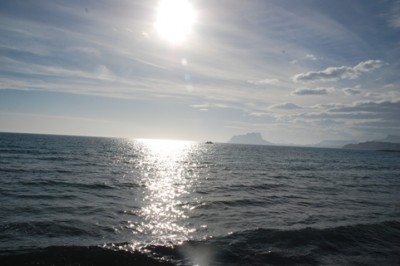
column 99, row 201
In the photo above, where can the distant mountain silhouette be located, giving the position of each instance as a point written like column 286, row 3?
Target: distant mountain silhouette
column 374, row 146
column 391, row 138
column 390, row 143
column 249, row 138
column 334, row 143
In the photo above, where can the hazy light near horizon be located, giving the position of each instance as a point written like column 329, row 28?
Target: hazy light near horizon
column 174, row 20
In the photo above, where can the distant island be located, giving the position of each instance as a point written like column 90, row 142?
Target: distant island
column 391, row 138
column 249, row 138
column 390, row 143
column 334, row 143
column 374, row 146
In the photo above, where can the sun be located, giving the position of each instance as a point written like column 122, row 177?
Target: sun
column 174, row 20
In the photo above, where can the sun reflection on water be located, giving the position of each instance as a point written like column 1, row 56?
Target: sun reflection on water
column 165, row 175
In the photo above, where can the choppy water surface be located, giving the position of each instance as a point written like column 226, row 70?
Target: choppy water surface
column 90, row 200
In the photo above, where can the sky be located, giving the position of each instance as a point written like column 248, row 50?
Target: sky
column 295, row 71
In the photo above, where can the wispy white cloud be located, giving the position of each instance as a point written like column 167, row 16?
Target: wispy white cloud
column 357, row 112
column 265, row 82
column 337, row 73
column 84, row 50
column 392, row 95
column 285, row 106
column 311, row 91
column 352, row 91
column 201, row 107
column 307, row 57
column 394, row 16
column 259, row 114
column 385, row 106
column 368, row 66
column 311, row 57
column 373, row 94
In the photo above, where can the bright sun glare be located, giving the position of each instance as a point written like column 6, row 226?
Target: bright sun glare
column 174, row 20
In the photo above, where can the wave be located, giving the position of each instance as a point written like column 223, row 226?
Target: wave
column 355, row 244
column 75, row 255
column 42, row 229
column 59, row 184
column 363, row 244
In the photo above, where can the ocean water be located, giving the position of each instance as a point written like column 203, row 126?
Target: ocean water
column 101, row 201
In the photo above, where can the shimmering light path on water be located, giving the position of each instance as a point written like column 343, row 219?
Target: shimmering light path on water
column 167, row 177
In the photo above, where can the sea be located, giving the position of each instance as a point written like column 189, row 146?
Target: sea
column 67, row 200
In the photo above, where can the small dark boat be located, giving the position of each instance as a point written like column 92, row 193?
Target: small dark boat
column 209, row 142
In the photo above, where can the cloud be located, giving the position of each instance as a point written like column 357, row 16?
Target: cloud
column 367, row 66
column 359, row 117
column 372, row 94
column 311, row 57
column 201, row 107
column 384, row 106
column 394, row 17
column 264, row 82
column 310, row 91
column 285, row 106
column 363, row 110
column 337, row 73
column 307, row 57
column 81, row 50
column 352, row 91
column 258, row 114
column 213, row 105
